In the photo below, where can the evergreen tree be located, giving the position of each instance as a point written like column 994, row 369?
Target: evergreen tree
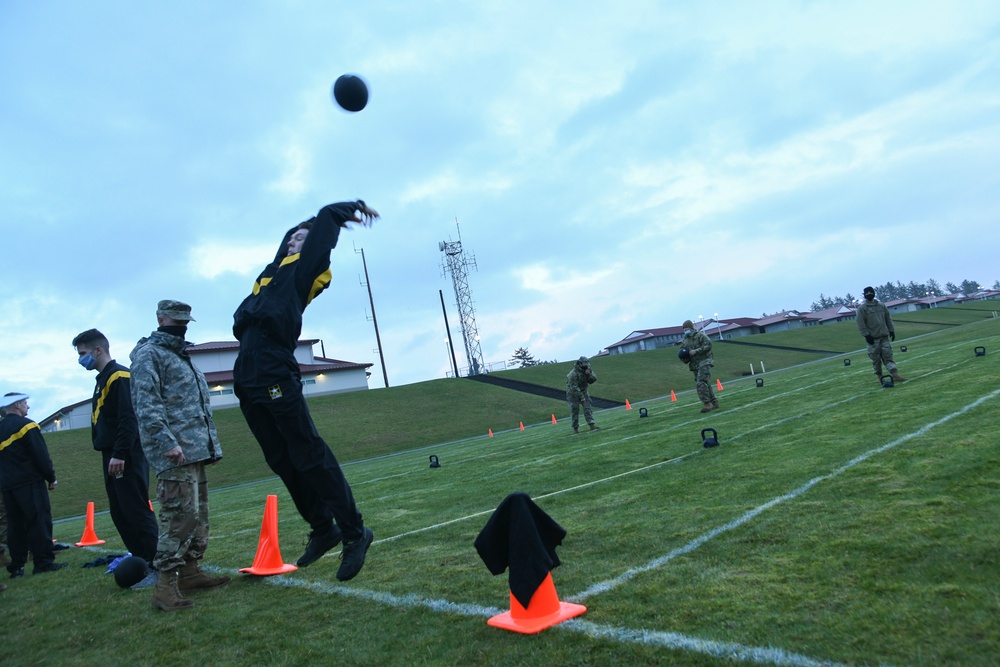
column 969, row 286
column 523, row 358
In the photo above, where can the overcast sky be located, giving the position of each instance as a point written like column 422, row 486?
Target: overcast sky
column 613, row 166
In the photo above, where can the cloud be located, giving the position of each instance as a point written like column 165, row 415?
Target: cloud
column 211, row 259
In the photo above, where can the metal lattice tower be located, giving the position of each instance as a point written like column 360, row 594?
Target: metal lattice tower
column 458, row 266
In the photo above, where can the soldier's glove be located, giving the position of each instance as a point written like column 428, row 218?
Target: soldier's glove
column 892, row 336
column 869, row 340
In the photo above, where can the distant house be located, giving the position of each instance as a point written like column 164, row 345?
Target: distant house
column 783, row 321
column 831, row 315
column 320, row 376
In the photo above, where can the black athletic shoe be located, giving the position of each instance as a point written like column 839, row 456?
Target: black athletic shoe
column 318, row 545
column 16, row 573
column 354, row 556
column 51, row 567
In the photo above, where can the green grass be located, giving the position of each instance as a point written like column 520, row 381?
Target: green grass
column 838, row 522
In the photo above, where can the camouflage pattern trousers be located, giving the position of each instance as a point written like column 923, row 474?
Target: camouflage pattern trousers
column 703, row 383
column 183, row 496
column 575, row 401
column 881, row 354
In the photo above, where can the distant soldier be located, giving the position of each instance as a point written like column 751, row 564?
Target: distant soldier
column 578, row 382
column 115, row 435
column 26, row 477
column 875, row 324
column 700, row 360
column 171, row 402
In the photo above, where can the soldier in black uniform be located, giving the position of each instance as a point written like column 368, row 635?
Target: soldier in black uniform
column 26, row 477
column 116, row 435
column 269, row 386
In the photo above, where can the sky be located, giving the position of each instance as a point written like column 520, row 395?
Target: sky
column 609, row 166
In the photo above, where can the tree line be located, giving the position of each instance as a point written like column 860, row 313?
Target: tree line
column 911, row 290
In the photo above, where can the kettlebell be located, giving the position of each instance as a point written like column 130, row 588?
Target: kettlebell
column 760, row 382
column 434, row 461
column 980, row 351
column 643, row 413
column 902, row 348
column 887, row 382
column 711, row 440
column 847, row 362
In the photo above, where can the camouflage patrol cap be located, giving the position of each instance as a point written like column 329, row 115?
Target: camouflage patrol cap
column 175, row 310
column 688, row 324
column 583, row 361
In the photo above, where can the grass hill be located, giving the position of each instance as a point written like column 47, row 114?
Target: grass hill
column 378, row 422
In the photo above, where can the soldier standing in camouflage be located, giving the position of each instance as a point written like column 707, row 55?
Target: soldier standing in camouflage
column 171, row 402
column 700, row 361
column 875, row 324
column 578, row 381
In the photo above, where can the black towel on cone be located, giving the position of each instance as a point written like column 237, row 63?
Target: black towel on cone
column 521, row 536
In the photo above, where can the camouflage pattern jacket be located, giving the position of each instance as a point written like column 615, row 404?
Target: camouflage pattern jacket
column 874, row 320
column 577, row 382
column 700, row 347
column 171, row 402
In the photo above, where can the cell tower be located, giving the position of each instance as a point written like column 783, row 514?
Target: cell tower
column 458, row 266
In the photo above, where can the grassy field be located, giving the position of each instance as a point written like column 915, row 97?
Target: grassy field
column 838, row 522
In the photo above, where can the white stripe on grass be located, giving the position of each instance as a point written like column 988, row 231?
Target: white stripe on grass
column 670, row 640
column 628, row 575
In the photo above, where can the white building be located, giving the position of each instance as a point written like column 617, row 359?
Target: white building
column 320, row 376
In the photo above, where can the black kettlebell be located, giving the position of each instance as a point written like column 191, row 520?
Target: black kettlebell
column 887, row 382
column 847, row 362
column 711, row 440
column 902, row 348
column 980, row 351
column 434, row 461
column 643, row 413
column 760, row 382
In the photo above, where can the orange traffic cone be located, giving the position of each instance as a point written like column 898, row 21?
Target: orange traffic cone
column 627, row 405
column 673, row 396
column 718, row 383
column 89, row 538
column 544, row 611
column 491, row 432
column 522, row 425
column 553, row 419
column 268, row 559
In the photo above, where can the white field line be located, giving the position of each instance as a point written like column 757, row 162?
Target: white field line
column 611, row 584
column 669, row 640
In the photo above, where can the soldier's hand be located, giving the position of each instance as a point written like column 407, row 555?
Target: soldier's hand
column 176, row 455
column 363, row 214
column 53, row 485
column 869, row 340
column 892, row 336
column 116, row 467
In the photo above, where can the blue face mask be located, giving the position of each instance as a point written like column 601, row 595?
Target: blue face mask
column 688, row 332
column 88, row 362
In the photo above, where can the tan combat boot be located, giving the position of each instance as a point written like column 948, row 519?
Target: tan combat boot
column 896, row 377
column 707, row 407
column 193, row 579
column 715, row 405
column 166, row 596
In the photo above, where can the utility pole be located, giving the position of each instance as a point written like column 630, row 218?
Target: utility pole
column 371, row 300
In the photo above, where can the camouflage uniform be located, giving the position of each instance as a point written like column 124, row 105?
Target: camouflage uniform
column 874, row 322
column 577, row 382
column 172, row 407
column 701, row 363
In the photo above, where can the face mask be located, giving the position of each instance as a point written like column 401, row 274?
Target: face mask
column 88, row 362
column 688, row 332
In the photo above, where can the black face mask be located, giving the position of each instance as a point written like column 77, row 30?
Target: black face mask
column 174, row 330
